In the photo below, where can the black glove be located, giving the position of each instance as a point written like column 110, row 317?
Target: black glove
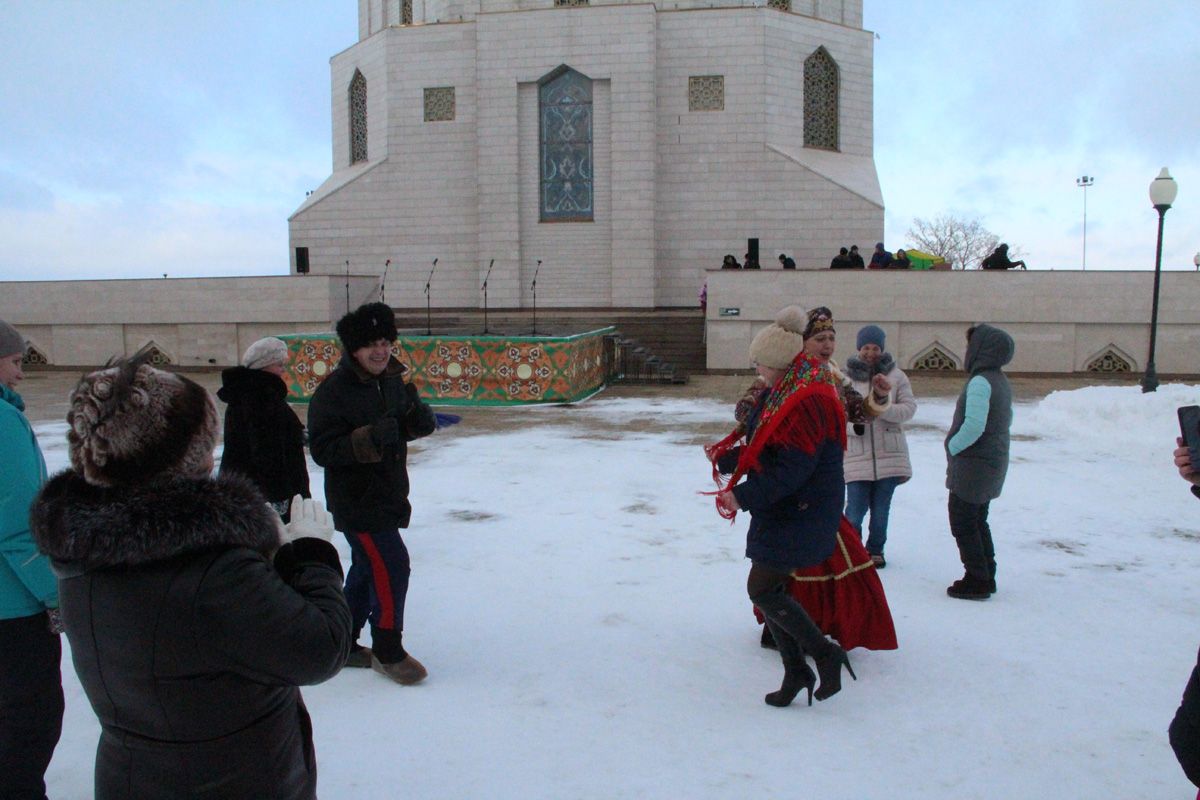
column 414, row 396
column 54, row 620
column 385, row 433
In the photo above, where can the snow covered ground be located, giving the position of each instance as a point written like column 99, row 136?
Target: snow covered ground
column 582, row 612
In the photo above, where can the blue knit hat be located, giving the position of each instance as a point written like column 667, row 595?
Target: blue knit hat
column 870, row 334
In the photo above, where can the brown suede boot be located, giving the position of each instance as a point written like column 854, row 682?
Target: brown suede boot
column 406, row 672
column 360, row 657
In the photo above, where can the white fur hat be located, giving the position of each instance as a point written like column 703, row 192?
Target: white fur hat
column 778, row 344
column 264, row 353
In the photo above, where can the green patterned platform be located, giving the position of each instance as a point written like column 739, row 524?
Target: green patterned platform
column 468, row 370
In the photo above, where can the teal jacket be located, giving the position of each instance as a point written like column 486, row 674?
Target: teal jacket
column 27, row 586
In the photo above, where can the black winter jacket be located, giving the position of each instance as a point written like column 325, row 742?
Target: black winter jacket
column 264, row 440
column 186, row 638
column 366, row 486
column 1184, row 732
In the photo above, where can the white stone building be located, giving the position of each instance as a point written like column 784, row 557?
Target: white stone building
column 626, row 145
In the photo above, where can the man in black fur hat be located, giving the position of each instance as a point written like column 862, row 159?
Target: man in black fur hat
column 360, row 421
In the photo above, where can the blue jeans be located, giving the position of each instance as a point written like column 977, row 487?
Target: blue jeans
column 876, row 497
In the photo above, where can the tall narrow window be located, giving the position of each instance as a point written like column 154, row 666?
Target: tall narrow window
column 821, row 100
column 565, row 107
column 358, row 118
column 406, row 12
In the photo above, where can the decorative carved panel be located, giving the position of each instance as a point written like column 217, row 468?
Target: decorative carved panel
column 570, row 2
column 406, row 17
column 706, row 93
column 782, row 5
column 156, row 357
column 821, row 100
column 1109, row 361
column 34, row 356
column 934, row 359
column 439, row 104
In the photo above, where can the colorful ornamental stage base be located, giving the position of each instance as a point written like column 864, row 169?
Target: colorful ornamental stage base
column 471, row 370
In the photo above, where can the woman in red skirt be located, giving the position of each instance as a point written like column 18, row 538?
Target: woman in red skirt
column 842, row 594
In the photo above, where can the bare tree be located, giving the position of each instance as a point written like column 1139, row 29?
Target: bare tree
column 962, row 242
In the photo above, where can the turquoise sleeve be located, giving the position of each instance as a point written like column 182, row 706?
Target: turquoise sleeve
column 24, row 471
column 979, row 401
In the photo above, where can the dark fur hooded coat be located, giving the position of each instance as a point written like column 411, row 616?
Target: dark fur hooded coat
column 189, row 638
column 263, row 438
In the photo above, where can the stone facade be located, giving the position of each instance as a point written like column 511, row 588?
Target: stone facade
column 193, row 322
column 1062, row 322
column 674, row 189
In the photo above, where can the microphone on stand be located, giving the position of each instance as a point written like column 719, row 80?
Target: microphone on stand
column 533, row 288
column 428, row 319
column 485, row 296
column 383, row 281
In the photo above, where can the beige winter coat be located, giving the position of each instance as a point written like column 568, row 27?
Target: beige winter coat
column 881, row 451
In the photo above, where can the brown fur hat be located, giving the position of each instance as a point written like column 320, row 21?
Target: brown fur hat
column 131, row 423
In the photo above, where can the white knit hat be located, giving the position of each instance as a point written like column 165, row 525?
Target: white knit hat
column 778, row 344
column 264, row 353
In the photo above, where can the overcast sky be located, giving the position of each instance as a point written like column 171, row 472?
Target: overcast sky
column 139, row 137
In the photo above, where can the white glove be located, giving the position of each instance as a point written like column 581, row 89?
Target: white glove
column 309, row 519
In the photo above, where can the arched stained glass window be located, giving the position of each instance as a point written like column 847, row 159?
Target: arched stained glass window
column 821, row 100
column 358, row 118
column 565, row 110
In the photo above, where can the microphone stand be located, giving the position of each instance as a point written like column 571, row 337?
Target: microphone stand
column 485, row 299
column 383, row 281
column 428, row 319
column 533, row 287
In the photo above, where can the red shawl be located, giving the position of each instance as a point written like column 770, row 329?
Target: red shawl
column 802, row 410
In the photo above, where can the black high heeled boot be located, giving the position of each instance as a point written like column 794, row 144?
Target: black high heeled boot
column 789, row 618
column 829, row 665
column 797, row 674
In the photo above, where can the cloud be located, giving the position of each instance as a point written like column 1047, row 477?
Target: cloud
column 21, row 194
column 992, row 111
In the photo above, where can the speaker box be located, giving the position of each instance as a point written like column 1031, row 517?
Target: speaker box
column 752, row 249
column 302, row 260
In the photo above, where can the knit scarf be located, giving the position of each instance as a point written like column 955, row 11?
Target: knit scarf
column 801, row 410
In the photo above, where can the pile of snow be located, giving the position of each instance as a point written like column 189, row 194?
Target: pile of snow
column 582, row 612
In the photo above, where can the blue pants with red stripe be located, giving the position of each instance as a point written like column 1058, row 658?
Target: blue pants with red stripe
column 377, row 581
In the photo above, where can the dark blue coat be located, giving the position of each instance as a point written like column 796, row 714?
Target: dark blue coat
column 795, row 503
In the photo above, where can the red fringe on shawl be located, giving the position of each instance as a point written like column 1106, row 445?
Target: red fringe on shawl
column 845, row 597
column 808, row 416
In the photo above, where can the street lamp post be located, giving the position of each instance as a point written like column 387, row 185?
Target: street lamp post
column 1162, row 194
column 1084, row 183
